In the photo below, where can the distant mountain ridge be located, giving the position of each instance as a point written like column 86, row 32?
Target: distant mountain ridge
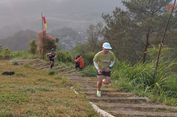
column 19, row 41
column 68, row 38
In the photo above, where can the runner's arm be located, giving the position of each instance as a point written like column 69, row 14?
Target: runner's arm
column 96, row 65
column 113, row 60
column 95, row 59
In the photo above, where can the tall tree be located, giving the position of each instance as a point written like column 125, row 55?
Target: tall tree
column 33, row 47
column 132, row 31
column 93, row 32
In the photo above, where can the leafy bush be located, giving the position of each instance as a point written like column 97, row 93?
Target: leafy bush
column 64, row 56
column 88, row 57
column 8, row 54
column 33, row 47
column 5, row 54
column 170, row 87
column 89, row 71
column 85, row 51
column 23, row 55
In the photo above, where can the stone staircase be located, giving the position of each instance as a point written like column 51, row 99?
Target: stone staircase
column 122, row 104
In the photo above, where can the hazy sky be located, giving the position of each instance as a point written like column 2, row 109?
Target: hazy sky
column 60, row 13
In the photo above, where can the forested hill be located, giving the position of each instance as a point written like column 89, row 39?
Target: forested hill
column 69, row 37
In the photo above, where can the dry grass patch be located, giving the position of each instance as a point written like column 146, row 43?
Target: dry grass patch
column 32, row 92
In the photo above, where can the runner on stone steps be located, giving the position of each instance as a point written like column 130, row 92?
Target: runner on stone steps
column 103, row 62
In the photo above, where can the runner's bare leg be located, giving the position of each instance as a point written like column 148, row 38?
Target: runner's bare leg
column 107, row 80
column 99, row 82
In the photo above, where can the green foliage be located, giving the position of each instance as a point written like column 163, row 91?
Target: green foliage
column 4, row 113
column 93, row 32
column 167, row 53
column 170, row 87
column 51, row 72
column 83, row 50
column 142, row 24
column 49, row 44
column 33, row 47
column 64, row 57
column 5, row 54
column 23, row 55
column 140, row 78
column 13, row 98
column 88, row 57
column 89, row 71
column 92, row 46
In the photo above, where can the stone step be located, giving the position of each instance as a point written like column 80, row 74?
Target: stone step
column 126, row 100
column 82, row 79
column 70, row 74
column 109, row 94
column 129, row 113
column 93, row 88
column 137, row 107
column 85, row 84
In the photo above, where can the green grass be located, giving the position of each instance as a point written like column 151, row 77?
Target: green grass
column 140, row 80
column 89, row 71
column 13, row 98
column 22, row 55
column 5, row 113
column 51, row 72
column 35, row 93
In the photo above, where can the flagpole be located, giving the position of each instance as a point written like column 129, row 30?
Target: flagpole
column 43, row 36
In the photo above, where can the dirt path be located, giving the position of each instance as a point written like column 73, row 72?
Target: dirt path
column 119, row 104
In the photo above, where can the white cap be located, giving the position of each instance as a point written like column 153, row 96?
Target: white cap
column 107, row 45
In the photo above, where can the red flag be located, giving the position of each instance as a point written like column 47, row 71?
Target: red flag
column 44, row 23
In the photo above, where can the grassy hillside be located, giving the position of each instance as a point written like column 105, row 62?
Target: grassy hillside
column 35, row 93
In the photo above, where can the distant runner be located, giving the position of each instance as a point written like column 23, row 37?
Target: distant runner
column 103, row 62
column 51, row 56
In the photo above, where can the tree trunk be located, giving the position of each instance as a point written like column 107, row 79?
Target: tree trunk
column 147, row 45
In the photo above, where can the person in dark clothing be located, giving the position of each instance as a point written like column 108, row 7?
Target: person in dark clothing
column 76, row 62
column 51, row 56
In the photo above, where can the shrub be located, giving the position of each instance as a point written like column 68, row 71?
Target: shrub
column 88, row 57
column 89, row 71
column 23, row 55
column 33, row 47
column 5, row 54
column 64, row 56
